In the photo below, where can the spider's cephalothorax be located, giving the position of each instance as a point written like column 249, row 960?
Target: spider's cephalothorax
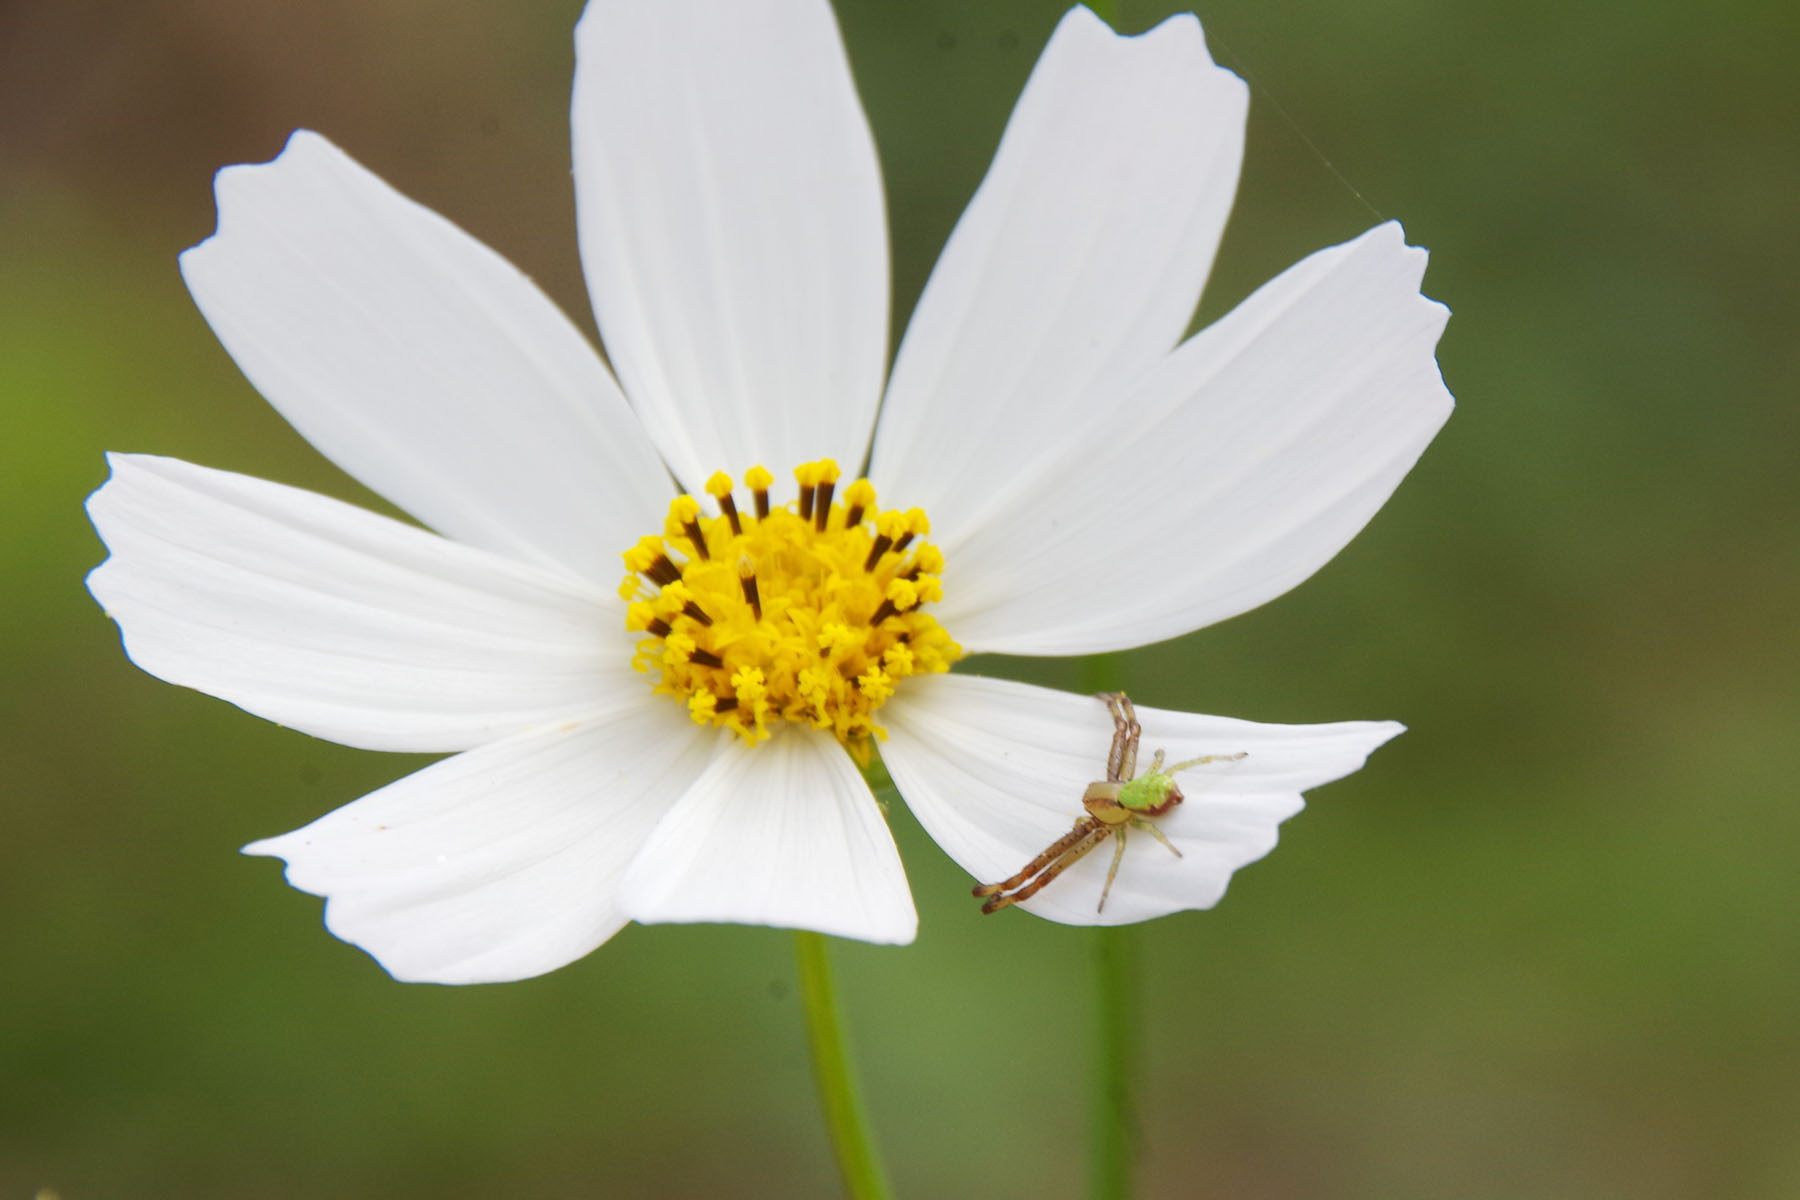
column 1122, row 800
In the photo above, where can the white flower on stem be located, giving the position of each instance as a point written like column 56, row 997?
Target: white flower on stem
column 675, row 749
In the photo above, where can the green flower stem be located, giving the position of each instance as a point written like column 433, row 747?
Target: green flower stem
column 1111, row 1120
column 845, row 1120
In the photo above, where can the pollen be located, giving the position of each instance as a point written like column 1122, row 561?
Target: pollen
column 811, row 611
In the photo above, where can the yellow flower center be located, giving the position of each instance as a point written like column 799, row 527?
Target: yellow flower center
column 811, row 612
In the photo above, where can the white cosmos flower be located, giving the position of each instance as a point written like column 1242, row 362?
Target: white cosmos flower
column 1091, row 485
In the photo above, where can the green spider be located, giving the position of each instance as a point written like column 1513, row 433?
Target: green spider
column 1114, row 804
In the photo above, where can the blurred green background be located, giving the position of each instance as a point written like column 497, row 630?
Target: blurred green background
column 1546, row 946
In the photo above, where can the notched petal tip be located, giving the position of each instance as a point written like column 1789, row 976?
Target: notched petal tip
column 101, row 507
column 1082, row 21
column 1391, row 236
column 304, row 150
column 1180, row 33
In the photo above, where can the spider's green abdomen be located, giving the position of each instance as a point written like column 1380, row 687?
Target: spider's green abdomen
column 1150, row 795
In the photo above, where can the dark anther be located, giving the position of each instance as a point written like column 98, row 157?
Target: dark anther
column 726, row 705
column 762, row 503
column 853, row 516
column 882, row 542
column 657, row 628
column 886, row 610
column 807, row 491
column 662, row 572
column 690, row 609
column 903, row 541
column 706, row 658
column 822, row 509
column 751, row 594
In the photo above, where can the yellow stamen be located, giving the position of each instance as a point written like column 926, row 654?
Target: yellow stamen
column 719, row 488
column 811, row 612
column 758, row 479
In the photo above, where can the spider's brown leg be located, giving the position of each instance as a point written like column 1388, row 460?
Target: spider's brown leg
column 1057, row 849
column 1115, row 757
column 1121, row 761
column 1128, row 768
column 1113, row 871
column 1070, row 857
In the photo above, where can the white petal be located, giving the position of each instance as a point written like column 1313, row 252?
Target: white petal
column 423, row 363
column 786, row 834
column 995, row 772
column 502, row 862
column 1233, row 472
column 732, row 229
column 1076, row 266
column 341, row 623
